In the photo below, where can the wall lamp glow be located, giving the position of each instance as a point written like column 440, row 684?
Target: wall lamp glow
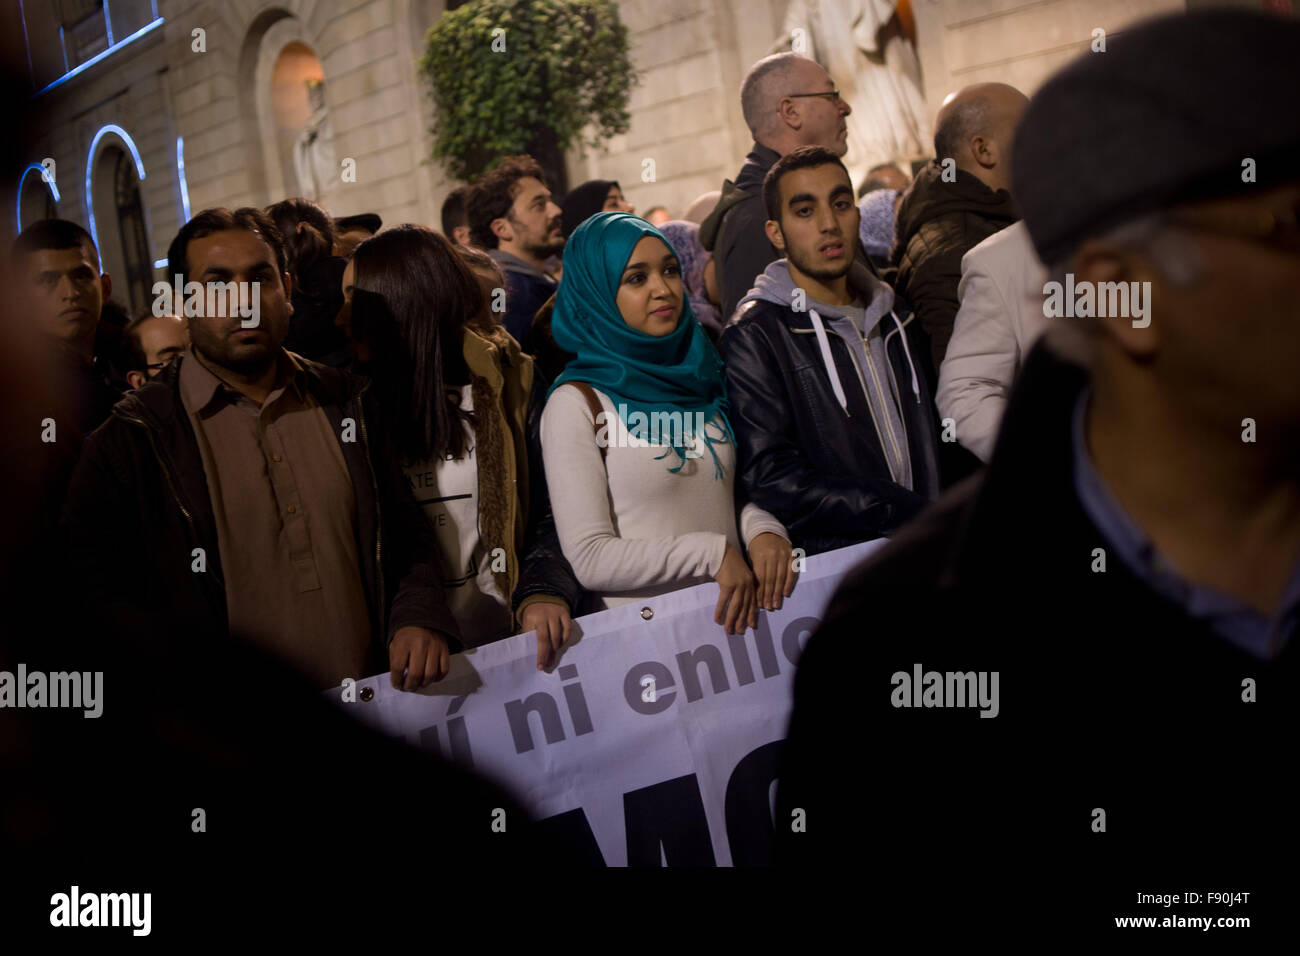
column 39, row 170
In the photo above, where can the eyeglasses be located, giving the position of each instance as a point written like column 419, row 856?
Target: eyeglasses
column 1280, row 229
column 166, row 360
column 834, row 95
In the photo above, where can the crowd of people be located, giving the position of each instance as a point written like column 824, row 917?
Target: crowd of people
column 485, row 365
column 435, row 439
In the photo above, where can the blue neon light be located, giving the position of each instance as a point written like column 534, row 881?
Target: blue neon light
column 27, row 44
column 90, row 166
column 33, row 168
column 180, row 175
column 108, row 23
column 148, row 27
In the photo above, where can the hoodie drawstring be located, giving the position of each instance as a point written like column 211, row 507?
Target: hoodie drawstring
column 825, row 345
column 916, row 386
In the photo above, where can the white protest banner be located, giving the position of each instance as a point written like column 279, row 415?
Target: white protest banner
column 655, row 738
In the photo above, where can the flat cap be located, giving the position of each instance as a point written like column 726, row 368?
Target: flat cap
column 1168, row 113
column 368, row 221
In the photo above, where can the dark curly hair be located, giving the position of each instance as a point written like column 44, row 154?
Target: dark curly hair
column 494, row 194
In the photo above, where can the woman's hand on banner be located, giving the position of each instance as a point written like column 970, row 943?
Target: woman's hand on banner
column 553, row 625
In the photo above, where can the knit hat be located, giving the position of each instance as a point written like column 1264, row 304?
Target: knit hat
column 368, row 221
column 1170, row 112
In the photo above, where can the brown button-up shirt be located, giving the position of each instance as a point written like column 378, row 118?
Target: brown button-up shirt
column 285, row 515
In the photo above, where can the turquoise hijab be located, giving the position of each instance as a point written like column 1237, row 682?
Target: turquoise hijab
column 680, row 372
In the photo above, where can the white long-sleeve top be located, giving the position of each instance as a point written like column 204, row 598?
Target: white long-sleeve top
column 630, row 528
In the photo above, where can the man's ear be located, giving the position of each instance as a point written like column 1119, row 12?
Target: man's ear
column 789, row 111
column 106, row 285
column 985, row 151
column 774, row 234
column 1097, row 262
column 502, row 230
column 135, row 379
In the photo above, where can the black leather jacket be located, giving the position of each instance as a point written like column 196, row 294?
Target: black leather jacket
column 823, row 472
column 543, row 567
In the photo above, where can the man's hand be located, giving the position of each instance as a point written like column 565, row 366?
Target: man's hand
column 771, row 557
column 553, row 626
column 423, row 654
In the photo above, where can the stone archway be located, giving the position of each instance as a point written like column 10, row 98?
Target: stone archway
column 302, row 142
column 282, row 89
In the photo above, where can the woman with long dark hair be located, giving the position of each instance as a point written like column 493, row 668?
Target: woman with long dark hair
column 636, row 432
column 583, row 202
column 455, row 398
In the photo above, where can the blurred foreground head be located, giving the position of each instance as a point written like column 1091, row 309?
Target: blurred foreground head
column 1169, row 167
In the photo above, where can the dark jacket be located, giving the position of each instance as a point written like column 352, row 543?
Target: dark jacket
column 734, row 230
column 527, row 290
column 544, row 570
column 938, row 223
column 140, row 489
column 1111, row 698
column 549, row 359
column 536, row 570
column 819, row 468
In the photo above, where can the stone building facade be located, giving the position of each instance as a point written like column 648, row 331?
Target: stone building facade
column 150, row 109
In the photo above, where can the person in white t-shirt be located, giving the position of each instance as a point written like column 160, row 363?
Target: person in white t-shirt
column 455, row 391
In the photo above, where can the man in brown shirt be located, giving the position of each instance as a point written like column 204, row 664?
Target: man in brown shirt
column 283, row 505
column 259, row 491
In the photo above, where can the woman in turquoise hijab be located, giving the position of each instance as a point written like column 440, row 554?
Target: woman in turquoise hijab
column 639, row 452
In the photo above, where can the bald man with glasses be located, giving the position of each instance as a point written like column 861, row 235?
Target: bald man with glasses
column 788, row 101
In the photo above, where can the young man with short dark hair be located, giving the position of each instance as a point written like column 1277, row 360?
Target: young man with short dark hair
column 258, row 490
column 514, row 219
column 830, row 402
column 455, row 217
column 60, row 286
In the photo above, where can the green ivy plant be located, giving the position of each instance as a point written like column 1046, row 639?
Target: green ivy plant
column 526, row 76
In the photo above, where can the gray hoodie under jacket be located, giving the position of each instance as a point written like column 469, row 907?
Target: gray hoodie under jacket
column 867, row 347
